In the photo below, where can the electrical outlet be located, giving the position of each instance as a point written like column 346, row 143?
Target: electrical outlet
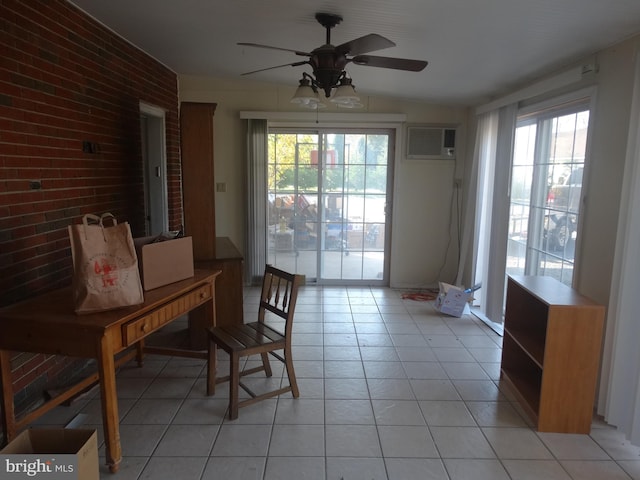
column 221, row 187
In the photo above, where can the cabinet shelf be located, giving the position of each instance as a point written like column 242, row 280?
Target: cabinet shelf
column 534, row 350
column 551, row 352
column 525, row 391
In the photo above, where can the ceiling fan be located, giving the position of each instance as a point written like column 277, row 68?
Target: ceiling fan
column 328, row 61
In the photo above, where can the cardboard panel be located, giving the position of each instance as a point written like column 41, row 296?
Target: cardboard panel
column 164, row 262
column 40, row 444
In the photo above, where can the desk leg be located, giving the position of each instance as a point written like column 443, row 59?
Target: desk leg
column 140, row 353
column 6, row 387
column 209, row 315
column 108, row 393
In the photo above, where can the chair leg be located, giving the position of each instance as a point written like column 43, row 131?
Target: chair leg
column 211, row 368
column 234, row 382
column 288, row 362
column 265, row 364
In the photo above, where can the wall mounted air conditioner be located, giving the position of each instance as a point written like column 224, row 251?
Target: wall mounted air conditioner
column 425, row 142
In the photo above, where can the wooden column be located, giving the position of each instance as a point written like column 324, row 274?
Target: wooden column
column 198, row 180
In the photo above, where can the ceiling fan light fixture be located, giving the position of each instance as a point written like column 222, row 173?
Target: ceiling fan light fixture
column 345, row 94
column 328, row 63
column 305, row 94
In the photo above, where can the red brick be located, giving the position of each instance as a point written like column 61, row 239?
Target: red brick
column 65, row 79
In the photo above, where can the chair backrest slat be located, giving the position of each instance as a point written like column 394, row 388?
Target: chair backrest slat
column 279, row 294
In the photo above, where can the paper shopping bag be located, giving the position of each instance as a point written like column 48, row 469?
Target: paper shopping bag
column 105, row 265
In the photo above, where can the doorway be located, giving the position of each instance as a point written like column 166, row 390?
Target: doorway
column 327, row 196
column 152, row 135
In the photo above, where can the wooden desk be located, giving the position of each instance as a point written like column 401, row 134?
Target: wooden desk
column 48, row 324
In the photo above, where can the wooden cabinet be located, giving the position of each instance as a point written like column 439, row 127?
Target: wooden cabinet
column 229, row 306
column 198, row 187
column 551, row 352
column 198, row 181
column 228, row 259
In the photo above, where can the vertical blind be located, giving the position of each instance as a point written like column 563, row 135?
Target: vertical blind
column 257, row 152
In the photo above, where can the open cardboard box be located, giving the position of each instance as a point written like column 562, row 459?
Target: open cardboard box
column 52, row 452
column 164, row 262
column 452, row 300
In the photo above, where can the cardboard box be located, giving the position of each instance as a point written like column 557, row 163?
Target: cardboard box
column 164, row 262
column 54, row 452
column 452, row 300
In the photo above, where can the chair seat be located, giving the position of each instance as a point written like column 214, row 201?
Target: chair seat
column 248, row 339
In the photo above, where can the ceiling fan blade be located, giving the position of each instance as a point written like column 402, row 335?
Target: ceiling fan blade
column 388, row 62
column 297, row 52
column 368, row 43
column 294, row 64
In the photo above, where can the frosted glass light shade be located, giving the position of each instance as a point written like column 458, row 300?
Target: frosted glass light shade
column 305, row 95
column 345, row 94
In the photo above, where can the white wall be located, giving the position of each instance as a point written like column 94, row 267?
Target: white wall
column 608, row 150
column 610, row 122
column 423, row 189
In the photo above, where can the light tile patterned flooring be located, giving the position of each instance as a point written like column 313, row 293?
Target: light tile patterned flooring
column 390, row 389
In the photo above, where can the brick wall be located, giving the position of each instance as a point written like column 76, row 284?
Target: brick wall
column 65, row 80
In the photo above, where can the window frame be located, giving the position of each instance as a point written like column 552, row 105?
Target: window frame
column 543, row 113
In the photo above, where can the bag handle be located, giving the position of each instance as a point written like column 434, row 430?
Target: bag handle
column 108, row 216
column 90, row 219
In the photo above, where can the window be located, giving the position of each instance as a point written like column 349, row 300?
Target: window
column 327, row 192
column 546, row 191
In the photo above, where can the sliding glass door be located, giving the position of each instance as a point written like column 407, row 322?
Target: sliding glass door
column 546, row 192
column 327, row 196
column 530, row 166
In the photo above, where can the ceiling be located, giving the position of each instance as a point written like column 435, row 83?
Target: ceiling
column 476, row 50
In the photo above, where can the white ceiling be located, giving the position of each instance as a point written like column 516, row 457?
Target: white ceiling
column 476, row 49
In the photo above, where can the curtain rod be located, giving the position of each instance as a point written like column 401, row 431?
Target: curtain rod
column 564, row 79
column 313, row 116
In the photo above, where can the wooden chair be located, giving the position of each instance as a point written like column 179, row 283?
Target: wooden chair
column 278, row 298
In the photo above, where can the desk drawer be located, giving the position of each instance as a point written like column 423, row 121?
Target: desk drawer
column 141, row 327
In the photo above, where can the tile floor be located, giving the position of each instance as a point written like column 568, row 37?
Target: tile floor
column 390, row 389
